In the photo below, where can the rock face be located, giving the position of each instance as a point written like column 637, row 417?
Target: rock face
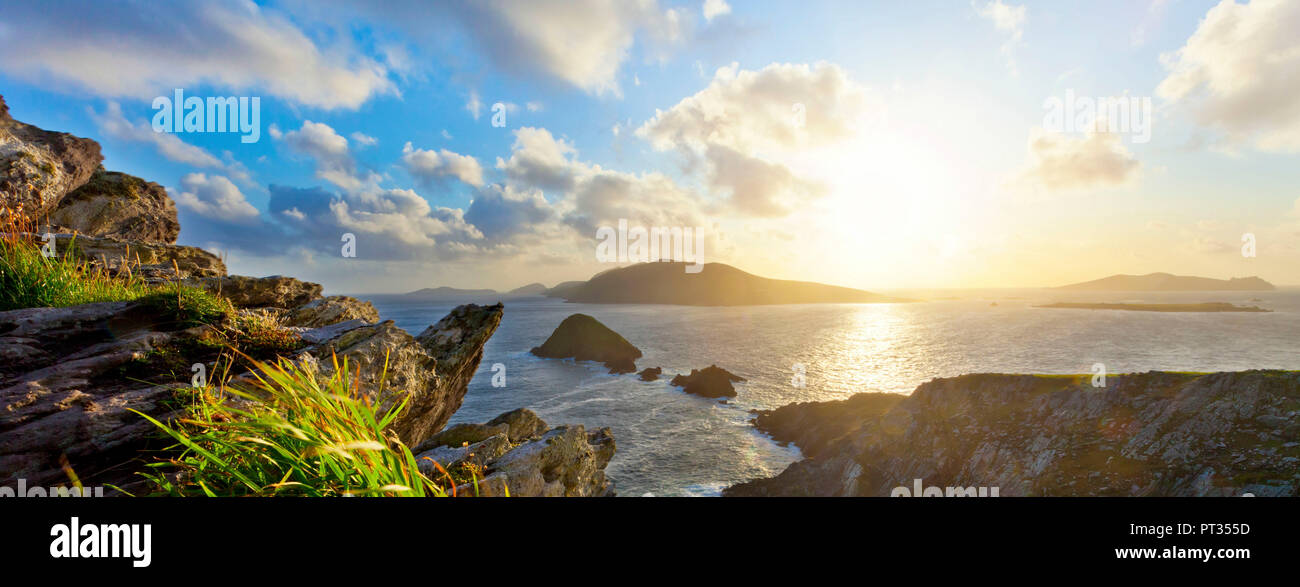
column 275, row 291
column 151, row 261
column 119, row 206
column 816, row 427
column 431, row 371
column 650, row 373
column 583, row 338
column 331, row 310
column 517, row 454
column 39, row 167
column 1148, row 434
column 712, row 381
column 66, row 383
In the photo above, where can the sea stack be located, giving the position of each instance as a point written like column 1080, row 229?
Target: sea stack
column 584, row 338
column 712, row 381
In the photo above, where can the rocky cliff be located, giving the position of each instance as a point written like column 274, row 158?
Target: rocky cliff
column 1147, row 434
column 69, row 377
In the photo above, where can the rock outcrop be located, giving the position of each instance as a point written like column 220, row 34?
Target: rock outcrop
column 816, row 427
column 39, row 167
column 275, row 291
column 1147, row 434
column 68, row 377
column 650, row 373
column 154, row 262
column 712, row 382
column 120, row 206
column 583, row 338
column 331, row 310
column 430, row 371
column 517, row 454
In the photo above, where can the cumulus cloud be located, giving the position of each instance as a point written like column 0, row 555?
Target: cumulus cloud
column 214, row 197
column 236, row 45
column 334, row 160
column 431, row 167
column 539, row 159
column 388, row 223
column 745, row 122
column 1239, row 72
column 715, row 8
column 1061, row 162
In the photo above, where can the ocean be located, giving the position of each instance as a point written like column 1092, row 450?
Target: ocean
column 674, row 444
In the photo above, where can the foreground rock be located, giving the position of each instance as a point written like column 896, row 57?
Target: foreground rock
column 120, row 206
column 39, row 167
column 815, row 427
column 275, row 291
column 430, row 372
column 68, row 377
column 331, row 310
column 516, row 454
column 712, row 381
column 583, row 338
column 153, row 262
column 1148, row 434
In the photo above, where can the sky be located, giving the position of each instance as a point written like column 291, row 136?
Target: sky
column 878, row 145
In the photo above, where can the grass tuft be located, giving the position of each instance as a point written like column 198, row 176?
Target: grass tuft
column 288, row 432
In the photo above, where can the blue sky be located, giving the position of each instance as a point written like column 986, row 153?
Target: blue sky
column 917, row 167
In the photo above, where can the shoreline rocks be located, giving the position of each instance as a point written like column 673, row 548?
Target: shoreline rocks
column 1143, row 434
column 583, row 338
column 518, row 454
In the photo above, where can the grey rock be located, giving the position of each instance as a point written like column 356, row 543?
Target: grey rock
column 119, row 206
column 331, row 310
column 39, row 167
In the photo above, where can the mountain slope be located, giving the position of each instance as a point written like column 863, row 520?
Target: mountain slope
column 715, row 285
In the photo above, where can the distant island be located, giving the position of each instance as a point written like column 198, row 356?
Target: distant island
column 455, row 293
column 1170, row 282
column 563, row 288
column 715, row 285
column 1202, row 307
column 532, row 289
column 436, row 293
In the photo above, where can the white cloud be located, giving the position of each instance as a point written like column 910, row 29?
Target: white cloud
column 1239, row 73
column 234, row 45
column 745, row 124
column 330, row 150
column 715, row 8
column 115, row 124
column 1061, row 162
column 1010, row 20
column 431, row 167
column 364, row 140
column 214, row 197
column 580, row 42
